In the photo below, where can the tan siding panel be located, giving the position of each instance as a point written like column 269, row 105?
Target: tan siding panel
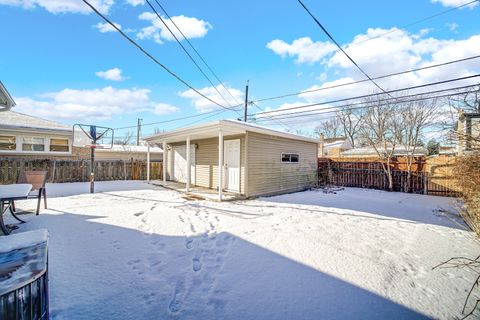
column 268, row 175
column 207, row 162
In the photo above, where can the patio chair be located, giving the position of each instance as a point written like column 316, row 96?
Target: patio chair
column 37, row 179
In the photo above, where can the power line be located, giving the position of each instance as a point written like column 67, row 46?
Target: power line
column 375, row 94
column 340, row 47
column 187, row 53
column 170, row 120
column 196, row 51
column 412, row 23
column 148, row 54
column 344, row 107
column 365, row 80
column 283, row 124
column 336, row 108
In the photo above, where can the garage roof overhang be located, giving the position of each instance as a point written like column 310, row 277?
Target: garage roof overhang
column 212, row 129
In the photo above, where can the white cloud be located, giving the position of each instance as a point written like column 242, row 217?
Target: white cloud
column 452, row 26
column 304, row 49
column 106, row 27
column 114, row 74
column 136, row 2
column 455, row 3
column 61, row 6
column 164, row 108
column 191, row 27
column 90, row 104
column 394, row 52
column 203, row 105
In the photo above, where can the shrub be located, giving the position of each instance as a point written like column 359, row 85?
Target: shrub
column 468, row 179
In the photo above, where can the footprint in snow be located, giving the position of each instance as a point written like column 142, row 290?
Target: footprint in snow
column 138, row 214
column 189, row 243
column 196, row 264
column 175, row 304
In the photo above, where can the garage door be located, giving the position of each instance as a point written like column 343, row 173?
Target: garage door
column 180, row 164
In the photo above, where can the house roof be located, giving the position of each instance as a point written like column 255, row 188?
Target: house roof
column 228, row 127
column 19, row 121
column 129, row 149
column 6, row 100
column 369, row 151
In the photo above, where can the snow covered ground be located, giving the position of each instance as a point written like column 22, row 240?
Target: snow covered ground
column 135, row 251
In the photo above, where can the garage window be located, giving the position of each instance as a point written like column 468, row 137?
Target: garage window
column 290, row 157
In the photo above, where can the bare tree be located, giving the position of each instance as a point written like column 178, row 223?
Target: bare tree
column 415, row 117
column 379, row 128
column 350, row 121
column 125, row 139
column 330, row 128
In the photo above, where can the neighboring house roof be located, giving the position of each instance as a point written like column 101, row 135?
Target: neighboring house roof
column 228, row 127
column 6, row 100
column 19, row 121
column 343, row 144
column 447, row 150
column 370, row 151
column 128, row 149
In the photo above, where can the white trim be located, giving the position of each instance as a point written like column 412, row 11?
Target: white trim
column 19, row 139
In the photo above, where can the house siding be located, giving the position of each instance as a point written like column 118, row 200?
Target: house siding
column 206, row 164
column 267, row 175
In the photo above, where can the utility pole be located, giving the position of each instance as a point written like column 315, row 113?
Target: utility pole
column 246, row 103
column 139, row 126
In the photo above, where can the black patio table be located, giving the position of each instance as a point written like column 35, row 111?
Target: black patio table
column 8, row 194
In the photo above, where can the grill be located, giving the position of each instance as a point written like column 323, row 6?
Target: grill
column 24, row 276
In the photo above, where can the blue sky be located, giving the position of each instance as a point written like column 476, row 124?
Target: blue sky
column 58, row 64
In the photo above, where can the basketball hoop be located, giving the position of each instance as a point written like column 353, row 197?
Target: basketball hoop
column 88, row 136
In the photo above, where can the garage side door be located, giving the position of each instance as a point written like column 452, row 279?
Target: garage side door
column 180, row 164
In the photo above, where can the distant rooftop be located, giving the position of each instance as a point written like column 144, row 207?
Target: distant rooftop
column 16, row 120
column 6, row 100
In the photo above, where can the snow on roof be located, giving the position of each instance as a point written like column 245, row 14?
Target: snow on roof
column 334, row 144
column 399, row 150
column 16, row 120
column 128, row 149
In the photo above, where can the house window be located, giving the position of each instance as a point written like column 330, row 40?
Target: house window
column 8, row 143
column 290, row 157
column 33, row 144
column 59, row 145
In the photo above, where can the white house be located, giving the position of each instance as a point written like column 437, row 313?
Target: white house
column 6, row 100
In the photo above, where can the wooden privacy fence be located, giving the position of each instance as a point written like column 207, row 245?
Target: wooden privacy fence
column 79, row 170
column 371, row 175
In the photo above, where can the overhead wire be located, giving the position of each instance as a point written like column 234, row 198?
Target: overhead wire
column 196, row 51
column 365, row 105
column 134, row 43
column 366, row 80
column 375, row 94
column 340, row 47
column 187, row 53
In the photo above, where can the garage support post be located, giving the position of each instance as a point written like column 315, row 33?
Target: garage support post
column 220, row 165
column 164, row 163
column 148, row 162
column 189, row 160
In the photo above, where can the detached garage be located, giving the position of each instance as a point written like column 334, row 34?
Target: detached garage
column 254, row 160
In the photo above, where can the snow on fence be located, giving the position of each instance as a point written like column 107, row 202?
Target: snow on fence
column 371, row 175
column 79, row 170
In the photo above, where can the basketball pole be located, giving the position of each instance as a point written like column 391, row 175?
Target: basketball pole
column 92, row 169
